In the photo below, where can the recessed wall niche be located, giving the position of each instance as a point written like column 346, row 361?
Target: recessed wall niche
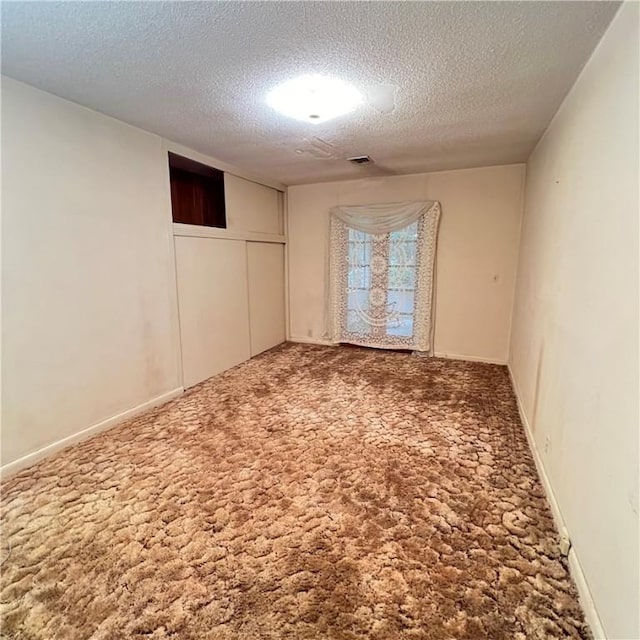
column 197, row 193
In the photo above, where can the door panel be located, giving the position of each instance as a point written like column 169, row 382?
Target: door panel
column 266, row 295
column 251, row 206
column 213, row 305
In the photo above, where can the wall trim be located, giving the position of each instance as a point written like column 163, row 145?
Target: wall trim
column 319, row 341
column 48, row 450
column 198, row 231
column 575, row 567
column 287, row 293
column 455, row 356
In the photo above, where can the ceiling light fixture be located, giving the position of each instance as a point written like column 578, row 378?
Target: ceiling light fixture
column 314, row 98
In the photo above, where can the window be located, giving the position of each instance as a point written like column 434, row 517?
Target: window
column 381, row 266
column 381, row 283
column 197, row 193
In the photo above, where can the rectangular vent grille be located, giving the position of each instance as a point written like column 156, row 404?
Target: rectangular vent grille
column 360, row 159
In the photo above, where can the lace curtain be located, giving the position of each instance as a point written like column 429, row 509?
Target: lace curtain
column 381, row 273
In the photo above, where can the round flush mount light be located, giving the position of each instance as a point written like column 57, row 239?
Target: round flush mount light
column 314, row 98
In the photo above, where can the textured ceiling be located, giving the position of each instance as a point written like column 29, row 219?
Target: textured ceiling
column 450, row 84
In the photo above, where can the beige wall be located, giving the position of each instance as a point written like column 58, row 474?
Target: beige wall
column 89, row 321
column 574, row 353
column 477, row 252
column 90, row 329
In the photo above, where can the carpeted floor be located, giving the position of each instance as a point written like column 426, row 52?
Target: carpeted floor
column 312, row 492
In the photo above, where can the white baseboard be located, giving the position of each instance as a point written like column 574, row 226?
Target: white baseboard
column 586, row 600
column 319, row 341
column 50, row 449
column 575, row 567
column 455, row 356
column 542, row 472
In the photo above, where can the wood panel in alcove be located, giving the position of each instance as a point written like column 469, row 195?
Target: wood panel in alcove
column 197, row 193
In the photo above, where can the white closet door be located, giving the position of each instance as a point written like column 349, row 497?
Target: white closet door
column 251, row 206
column 266, row 295
column 213, row 305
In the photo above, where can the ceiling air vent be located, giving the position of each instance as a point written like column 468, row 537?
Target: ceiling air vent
column 360, row 160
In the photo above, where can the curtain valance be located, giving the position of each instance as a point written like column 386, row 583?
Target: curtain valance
column 382, row 218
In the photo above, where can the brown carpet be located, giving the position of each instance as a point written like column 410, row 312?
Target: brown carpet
column 312, row 492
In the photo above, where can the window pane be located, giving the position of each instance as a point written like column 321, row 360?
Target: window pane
column 386, row 265
column 408, row 233
column 365, row 253
column 353, row 253
column 400, row 301
column 402, row 277
column 402, row 253
column 359, row 278
column 402, row 326
column 359, row 253
column 355, row 323
column 358, row 299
